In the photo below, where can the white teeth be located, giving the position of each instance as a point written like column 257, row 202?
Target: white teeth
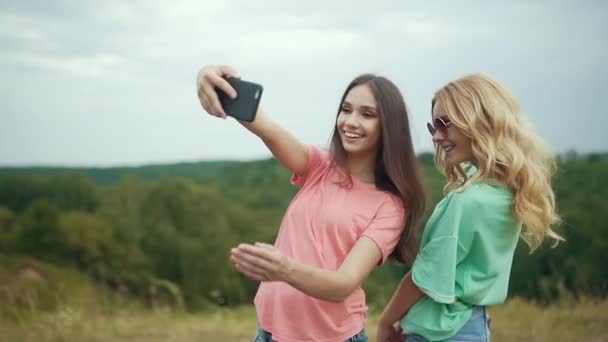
column 352, row 135
column 448, row 148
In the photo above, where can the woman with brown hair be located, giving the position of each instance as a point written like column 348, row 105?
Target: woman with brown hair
column 358, row 204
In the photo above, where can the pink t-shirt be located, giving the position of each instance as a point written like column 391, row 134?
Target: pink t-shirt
column 320, row 227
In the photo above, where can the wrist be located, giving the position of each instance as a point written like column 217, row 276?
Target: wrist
column 289, row 270
column 260, row 117
column 260, row 124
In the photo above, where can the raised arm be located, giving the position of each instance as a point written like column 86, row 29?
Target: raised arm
column 285, row 147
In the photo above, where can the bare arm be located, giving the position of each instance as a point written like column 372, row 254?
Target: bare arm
column 406, row 295
column 288, row 150
column 266, row 263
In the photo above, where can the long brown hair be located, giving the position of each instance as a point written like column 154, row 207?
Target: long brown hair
column 396, row 169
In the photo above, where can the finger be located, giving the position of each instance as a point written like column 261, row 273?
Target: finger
column 244, row 265
column 258, row 252
column 247, row 265
column 204, row 100
column 249, row 274
column 199, row 90
column 213, row 102
column 251, row 269
column 217, row 81
column 227, row 70
column 252, row 250
column 254, row 260
column 204, row 95
column 265, row 245
column 199, row 81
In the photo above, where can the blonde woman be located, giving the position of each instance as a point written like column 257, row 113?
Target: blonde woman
column 498, row 187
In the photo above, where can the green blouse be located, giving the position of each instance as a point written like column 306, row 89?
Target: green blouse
column 464, row 260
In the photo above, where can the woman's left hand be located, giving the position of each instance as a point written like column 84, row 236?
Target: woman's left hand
column 261, row 262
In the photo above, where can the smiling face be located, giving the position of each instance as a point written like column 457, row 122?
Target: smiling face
column 453, row 142
column 359, row 122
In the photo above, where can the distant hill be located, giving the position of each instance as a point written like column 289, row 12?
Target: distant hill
column 110, row 175
column 197, row 171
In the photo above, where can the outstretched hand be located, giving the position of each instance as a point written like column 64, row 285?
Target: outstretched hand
column 209, row 78
column 261, row 262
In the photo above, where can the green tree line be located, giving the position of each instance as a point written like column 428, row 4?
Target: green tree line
column 163, row 233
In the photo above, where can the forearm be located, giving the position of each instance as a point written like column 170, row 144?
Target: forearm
column 283, row 145
column 265, row 262
column 263, row 126
column 406, row 295
column 333, row 286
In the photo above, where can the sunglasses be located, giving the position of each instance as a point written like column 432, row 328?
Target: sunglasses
column 439, row 124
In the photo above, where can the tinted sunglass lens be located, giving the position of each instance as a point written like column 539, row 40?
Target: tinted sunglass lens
column 440, row 124
column 430, row 128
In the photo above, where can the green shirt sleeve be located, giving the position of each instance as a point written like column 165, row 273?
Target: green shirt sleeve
column 434, row 270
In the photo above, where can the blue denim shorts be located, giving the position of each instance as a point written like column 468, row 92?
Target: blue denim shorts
column 476, row 329
column 265, row 336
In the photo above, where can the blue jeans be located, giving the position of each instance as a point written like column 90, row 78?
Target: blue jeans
column 265, row 336
column 475, row 330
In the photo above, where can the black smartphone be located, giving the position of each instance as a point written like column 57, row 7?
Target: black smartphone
column 245, row 105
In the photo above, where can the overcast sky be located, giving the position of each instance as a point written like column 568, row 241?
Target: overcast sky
column 103, row 83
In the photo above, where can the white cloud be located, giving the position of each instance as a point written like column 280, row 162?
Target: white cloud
column 100, row 67
column 300, row 45
column 137, row 61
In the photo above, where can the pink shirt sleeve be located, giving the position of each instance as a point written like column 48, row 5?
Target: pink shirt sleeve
column 386, row 227
column 317, row 159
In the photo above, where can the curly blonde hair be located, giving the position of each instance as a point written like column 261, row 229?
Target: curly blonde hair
column 507, row 150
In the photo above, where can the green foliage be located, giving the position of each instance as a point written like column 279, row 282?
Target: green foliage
column 167, row 239
column 108, row 176
column 66, row 192
column 7, row 219
column 576, row 266
column 7, row 222
column 188, row 236
column 121, row 208
column 38, row 232
column 88, row 239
